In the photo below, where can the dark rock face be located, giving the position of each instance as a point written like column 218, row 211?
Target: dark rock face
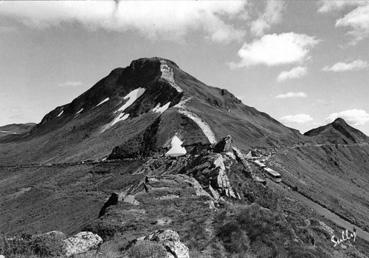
column 225, row 145
column 142, row 145
column 113, row 200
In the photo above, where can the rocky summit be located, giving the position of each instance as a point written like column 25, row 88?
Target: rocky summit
column 151, row 162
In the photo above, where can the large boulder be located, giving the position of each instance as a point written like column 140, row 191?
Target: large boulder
column 81, row 243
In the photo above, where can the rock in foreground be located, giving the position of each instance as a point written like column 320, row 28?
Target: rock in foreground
column 81, row 242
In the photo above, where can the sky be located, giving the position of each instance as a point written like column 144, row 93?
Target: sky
column 304, row 62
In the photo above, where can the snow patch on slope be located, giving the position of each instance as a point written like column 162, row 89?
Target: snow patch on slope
column 202, row 124
column 168, row 75
column 102, row 102
column 176, row 149
column 121, row 116
column 182, row 103
column 132, row 97
column 61, row 112
column 162, row 109
column 79, row 111
column 8, row 132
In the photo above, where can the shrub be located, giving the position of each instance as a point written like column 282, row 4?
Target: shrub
column 15, row 245
column 255, row 230
column 27, row 246
column 256, row 221
column 47, row 246
column 234, row 238
column 147, row 249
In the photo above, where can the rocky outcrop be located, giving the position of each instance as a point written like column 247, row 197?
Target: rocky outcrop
column 131, row 200
column 81, row 243
column 211, row 172
column 196, row 185
column 221, row 181
column 207, row 173
column 170, row 240
column 239, row 155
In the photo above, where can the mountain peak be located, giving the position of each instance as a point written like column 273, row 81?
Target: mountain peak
column 151, row 60
column 338, row 132
column 340, row 121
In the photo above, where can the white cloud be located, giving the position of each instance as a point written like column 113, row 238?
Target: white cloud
column 169, row 20
column 276, row 49
column 291, row 95
column 299, row 118
column 294, row 73
column 343, row 67
column 336, row 5
column 355, row 117
column 70, row 84
column 271, row 15
column 358, row 21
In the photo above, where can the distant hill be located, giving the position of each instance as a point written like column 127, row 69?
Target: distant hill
column 15, row 129
column 337, row 132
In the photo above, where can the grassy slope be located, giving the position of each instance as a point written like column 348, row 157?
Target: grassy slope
column 335, row 176
column 59, row 197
